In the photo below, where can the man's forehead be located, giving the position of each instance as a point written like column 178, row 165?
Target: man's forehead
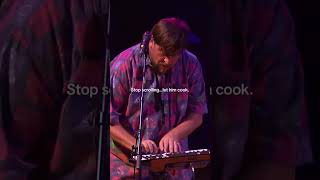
column 161, row 50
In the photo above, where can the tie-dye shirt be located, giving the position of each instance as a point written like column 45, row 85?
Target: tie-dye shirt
column 167, row 99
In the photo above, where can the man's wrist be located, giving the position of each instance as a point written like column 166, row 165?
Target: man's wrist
column 175, row 133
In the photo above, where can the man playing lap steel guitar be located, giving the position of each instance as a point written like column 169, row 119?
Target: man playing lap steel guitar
column 171, row 112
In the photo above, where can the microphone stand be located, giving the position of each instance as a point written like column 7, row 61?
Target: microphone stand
column 137, row 149
column 103, row 149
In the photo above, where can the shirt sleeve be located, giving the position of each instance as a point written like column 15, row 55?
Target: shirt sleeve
column 197, row 97
column 278, row 92
column 119, row 89
column 44, row 123
column 12, row 109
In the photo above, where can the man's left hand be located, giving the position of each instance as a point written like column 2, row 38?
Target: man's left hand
column 170, row 143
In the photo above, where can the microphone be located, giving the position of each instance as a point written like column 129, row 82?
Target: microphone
column 144, row 43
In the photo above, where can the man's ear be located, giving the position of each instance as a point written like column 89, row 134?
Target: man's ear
column 152, row 39
column 151, row 43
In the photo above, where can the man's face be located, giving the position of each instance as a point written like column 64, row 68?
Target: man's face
column 160, row 62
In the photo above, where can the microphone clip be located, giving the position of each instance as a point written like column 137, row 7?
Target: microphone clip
column 144, row 43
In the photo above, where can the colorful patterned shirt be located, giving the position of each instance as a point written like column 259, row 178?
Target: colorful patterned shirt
column 46, row 132
column 167, row 99
column 253, row 45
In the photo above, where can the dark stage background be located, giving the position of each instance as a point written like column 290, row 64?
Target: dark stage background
column 130, row 19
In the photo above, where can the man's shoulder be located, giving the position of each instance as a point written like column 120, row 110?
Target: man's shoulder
column 125, row 58
column 38, row 21
column 189, row 57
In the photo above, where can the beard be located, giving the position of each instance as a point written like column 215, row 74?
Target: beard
column 159, row 68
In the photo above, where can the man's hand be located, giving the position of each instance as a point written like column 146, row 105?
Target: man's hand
column 149, row 146
column 170, row 143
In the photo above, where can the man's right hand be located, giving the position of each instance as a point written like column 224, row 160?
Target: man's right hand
column 148, row 146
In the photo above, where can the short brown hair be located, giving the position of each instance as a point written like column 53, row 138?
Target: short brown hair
column 171, row 34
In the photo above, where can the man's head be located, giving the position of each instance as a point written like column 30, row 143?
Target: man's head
column 169, row 38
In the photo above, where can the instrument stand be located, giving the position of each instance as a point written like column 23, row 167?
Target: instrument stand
column 193, row 173
column 103, row 7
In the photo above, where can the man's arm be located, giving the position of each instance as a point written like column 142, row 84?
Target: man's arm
column 190, row 123
column 196, row 108
column 118, row 104
column 122, row 137
column 170, row 142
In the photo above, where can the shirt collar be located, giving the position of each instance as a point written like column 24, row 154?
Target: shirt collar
column 148, row 61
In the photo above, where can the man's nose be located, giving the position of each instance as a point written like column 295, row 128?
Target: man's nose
column 166, row 60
